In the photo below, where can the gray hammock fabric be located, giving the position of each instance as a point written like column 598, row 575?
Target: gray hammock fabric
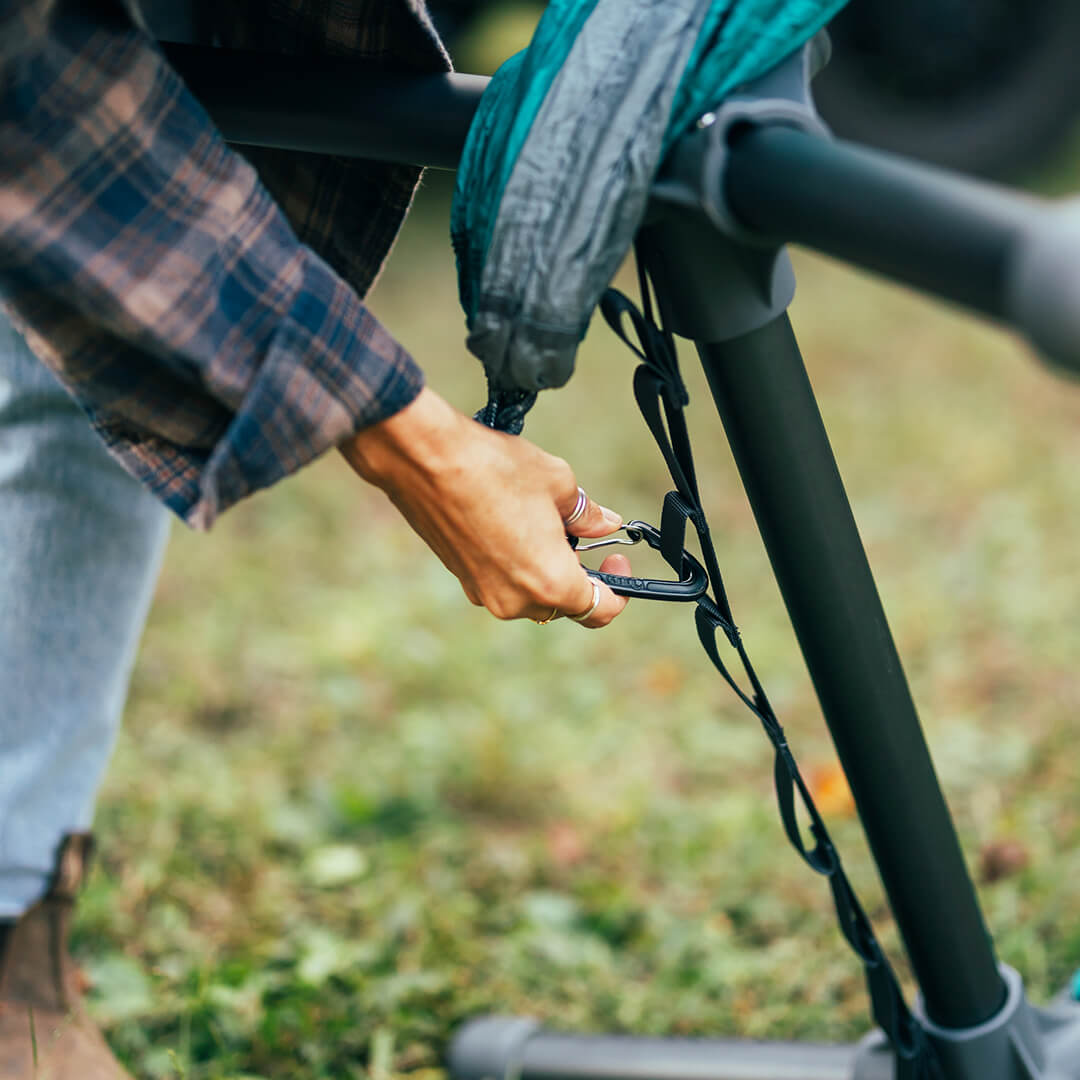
column 561, row 156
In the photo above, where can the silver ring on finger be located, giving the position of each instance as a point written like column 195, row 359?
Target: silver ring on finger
column 592, row 610
column 579, row 508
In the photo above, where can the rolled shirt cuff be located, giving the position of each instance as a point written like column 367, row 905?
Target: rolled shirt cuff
column 330, row 369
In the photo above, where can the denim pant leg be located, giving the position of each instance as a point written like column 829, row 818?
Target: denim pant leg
column 80, row 548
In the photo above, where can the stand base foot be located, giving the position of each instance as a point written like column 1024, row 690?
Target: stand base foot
column 1020, row 1043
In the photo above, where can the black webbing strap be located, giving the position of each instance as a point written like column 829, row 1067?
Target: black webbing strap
column 661, row 395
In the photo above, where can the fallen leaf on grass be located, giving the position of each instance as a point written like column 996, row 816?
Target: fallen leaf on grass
column 664, row 677
column 1001, row 859
column 565, row 844
column 830, row 790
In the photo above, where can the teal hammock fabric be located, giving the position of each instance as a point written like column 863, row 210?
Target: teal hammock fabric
column 563, row 151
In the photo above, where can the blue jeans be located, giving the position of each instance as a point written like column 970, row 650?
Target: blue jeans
column 80, row 547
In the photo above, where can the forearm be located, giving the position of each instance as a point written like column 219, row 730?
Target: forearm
column 154, row 274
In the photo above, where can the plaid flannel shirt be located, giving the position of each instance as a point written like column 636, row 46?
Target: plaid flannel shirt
column 206, row 316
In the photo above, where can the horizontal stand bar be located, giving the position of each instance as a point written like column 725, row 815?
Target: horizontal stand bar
column 331, row 105
column 505, row 1048
column 942, row 233
column 999, row 253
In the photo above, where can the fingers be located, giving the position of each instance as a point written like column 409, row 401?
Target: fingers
column 610, row 605
column 583, row 595
column 594, row 520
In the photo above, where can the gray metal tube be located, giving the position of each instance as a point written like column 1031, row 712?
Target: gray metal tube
column 503, row 1048
column 570, row 1057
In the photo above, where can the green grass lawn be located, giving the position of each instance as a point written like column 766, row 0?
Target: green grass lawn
column 349, row 811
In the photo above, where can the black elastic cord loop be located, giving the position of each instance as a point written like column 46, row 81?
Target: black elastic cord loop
column 648, row 388
column 614, row 306
column 788, row 784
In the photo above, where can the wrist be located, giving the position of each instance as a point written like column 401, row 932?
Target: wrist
column 415, row 435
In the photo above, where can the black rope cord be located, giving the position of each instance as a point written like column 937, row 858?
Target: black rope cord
column 661, row 395
column 506, row 409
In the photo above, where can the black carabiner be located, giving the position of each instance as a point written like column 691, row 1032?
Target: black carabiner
column 694, row 583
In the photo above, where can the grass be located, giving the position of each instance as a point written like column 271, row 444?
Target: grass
column 348, row 811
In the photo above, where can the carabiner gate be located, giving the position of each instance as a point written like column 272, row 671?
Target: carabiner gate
column 633, row 536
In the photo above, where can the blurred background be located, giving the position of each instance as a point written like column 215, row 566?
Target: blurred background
column 348, row 810
column 989, row 87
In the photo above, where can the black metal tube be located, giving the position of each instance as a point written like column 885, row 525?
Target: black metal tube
column 333, row 106
column 787, row 466
column 946, row 234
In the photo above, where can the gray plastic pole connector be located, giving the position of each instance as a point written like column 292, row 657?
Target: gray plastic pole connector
column 1020, row 1043
column 722, row 285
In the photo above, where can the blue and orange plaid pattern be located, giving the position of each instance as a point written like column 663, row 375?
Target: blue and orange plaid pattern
column 151, row 269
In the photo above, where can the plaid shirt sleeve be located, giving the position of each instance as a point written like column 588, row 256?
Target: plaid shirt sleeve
column 149, row 268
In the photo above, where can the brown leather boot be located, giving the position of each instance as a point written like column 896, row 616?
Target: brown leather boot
column 45, row 1033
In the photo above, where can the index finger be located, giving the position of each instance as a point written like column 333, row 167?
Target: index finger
column 582, row 516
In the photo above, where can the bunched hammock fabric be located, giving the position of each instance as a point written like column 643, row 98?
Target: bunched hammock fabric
column 563, row 151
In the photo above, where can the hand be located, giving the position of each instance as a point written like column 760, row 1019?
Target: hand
column 491, row 506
